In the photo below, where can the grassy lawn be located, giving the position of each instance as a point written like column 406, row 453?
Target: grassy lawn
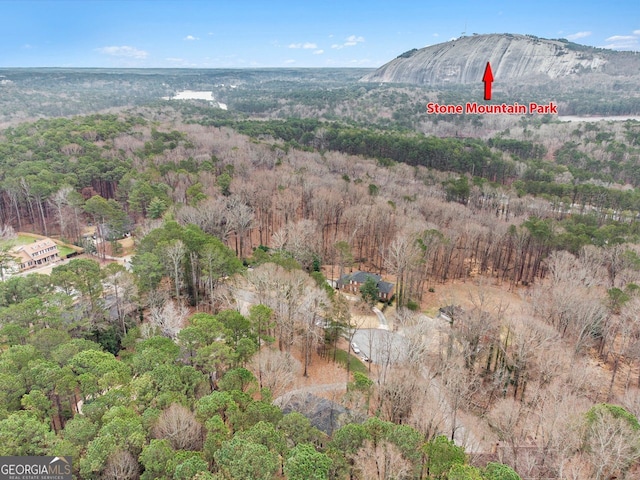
column 27, row 239
column 356, row 363
column 64, row 251
column 19, row 240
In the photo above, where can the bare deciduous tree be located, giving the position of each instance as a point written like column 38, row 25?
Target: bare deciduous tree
column 575, row 311
column 552, row 426
column 168, row 317
column 612, row 444
column 175, row 253
column 508, row 420
column 285, row 292
column 301, row 240
column 459, row 385
column 279, row 369
column 427, row 416
column 402, row 253
column 398, row 394
column 382, row 461
column 121, row 465
column 240, row 217
column 310, row 322
column 631, row 401
column 614, row 260
column 179, row 425
column 122, row 286
column 210, row 215
column 59, row 202
column 7, row 232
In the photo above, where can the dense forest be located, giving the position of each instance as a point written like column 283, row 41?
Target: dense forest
column 198, row 349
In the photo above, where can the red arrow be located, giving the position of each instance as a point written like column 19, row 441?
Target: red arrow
column 487, row 78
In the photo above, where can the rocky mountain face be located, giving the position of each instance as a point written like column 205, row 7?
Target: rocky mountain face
column 524, row 58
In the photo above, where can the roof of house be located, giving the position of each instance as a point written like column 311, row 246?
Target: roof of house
column 30, row 251
column 326, row 415
column 450, row 311
column 362, row 277
column 21, row 256
column 385, row 287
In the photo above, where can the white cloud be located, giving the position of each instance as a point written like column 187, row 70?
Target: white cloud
column 289, row 61
column 436, row 35
column 621, row 38
column 318, row 52
column 350, row 41
column 353, row 40
column 306, row 45
column 577, row 35
column 624, row 42
column 190, row 38
column 123, row 51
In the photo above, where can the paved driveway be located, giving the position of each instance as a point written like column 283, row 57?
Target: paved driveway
column 381, row 346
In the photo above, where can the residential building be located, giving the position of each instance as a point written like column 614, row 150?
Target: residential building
column 40, row 252
column 450, row 313
column 352, row 282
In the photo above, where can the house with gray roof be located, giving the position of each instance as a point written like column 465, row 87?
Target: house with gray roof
column 352, row 282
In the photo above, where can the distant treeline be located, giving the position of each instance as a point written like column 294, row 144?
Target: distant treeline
column 461, row 155
column 470, row 156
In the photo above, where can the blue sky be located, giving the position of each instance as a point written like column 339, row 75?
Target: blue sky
column 285, row 33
